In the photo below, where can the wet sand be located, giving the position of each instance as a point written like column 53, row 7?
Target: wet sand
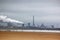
column 29, row 36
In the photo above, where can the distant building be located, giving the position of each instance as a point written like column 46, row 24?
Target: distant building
column 22, row 25
column 42, row 26
column 29, row 24
column 10, row 24
column 52, row 26
column 3, row 23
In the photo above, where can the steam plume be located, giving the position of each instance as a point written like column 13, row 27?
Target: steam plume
column 6, row 19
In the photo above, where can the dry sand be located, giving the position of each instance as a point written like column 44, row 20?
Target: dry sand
column 29, row 36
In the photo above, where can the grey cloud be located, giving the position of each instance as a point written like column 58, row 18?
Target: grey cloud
column 43, row 10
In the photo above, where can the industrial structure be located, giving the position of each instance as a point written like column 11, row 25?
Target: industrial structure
column 19, row 25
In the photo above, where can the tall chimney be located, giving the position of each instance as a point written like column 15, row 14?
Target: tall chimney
column 33, row 21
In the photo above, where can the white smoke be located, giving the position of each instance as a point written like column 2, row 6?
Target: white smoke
column 6, row 19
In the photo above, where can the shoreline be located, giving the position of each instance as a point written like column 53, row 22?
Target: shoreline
column 50, row 31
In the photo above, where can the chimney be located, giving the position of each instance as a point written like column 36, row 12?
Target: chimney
column 33, row 21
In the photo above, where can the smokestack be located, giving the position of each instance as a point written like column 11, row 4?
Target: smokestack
column 33, row 21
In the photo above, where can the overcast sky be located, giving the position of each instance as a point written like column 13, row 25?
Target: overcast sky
column 45, row 11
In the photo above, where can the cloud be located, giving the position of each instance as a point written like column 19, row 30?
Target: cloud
column 36, row 6
column 43, row 10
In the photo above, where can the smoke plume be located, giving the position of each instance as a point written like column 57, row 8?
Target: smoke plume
column 6, row 19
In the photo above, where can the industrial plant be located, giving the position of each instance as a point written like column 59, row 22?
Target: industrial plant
column 8, row 23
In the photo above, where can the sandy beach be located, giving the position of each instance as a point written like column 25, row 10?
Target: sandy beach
column 29, row 36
